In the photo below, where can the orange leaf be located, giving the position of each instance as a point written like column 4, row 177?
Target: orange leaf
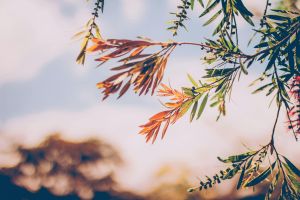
column 155, row 134
column 124, row 89
column 137, row 51
column 165, row 128
column 172, row 105
column 159, row 115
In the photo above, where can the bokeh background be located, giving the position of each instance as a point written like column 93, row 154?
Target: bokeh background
column 44, row 92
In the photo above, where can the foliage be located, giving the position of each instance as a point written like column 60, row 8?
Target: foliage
column 144, row 71
column 280, row 173
column 90, row 30
column 277, row 50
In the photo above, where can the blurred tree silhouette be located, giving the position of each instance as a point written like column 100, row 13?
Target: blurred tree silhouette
column 62, row 169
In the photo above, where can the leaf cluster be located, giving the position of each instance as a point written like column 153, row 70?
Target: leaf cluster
column 254, row 167
column 143, row 71
column 181, row 16
column 90, row 30
column 228, row 10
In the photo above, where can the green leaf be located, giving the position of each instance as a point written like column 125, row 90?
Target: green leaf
column 262, row 88
column 79, row 35
column 202, row 106
column 184, row 108
column 209, row 8
column 192, row 80
column 194, row 110
column 248, row 19
column 241, row 178
column 192, row 4
column 246, row 14
column 278, row 17
column 295, row 182
column 81, row 57
column 212, row 18
column 220, row 26
column 298, row 50
column 263, row 56
column 237, row 158
column 261, row 177
column 188, row 91
column 293, row 168
column 219, row 72
column 231, row 173
column 214, row 104
column 263, row 44
column 249, row 162
column 98, row 33
column 273, row 58
column 291, row 61
column 243, row 68
column 201, row 3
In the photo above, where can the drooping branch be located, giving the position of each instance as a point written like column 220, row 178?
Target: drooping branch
column 91, row 30
column 278, row 48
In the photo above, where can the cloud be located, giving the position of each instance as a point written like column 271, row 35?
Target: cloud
column 34, row 33
column 134, row 10
column 37, row 32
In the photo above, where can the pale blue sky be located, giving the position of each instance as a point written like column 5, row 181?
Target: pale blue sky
column 56, row 86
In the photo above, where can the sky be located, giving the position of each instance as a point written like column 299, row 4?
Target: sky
column 43, row 90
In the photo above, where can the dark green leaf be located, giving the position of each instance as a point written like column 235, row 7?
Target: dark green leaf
column 262, row 88
column 293, row 168
column 201, row 3
column 244, row 70
column 261, row 177
column 237, row 158
column 209, row 8
column 241, row 178
column 273, row 58
column 298, row 50
column 278, row 17
column 194, row 111
column 263, row 44
column 202, row 106
column 188, row 91
column 246, row 14
column 220, row 26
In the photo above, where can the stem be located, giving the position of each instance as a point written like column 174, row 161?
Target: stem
column 285, row 103
column 239, row 55
column 290, row 121
column 95, row 15
column 274, row 127
column 242, row 55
